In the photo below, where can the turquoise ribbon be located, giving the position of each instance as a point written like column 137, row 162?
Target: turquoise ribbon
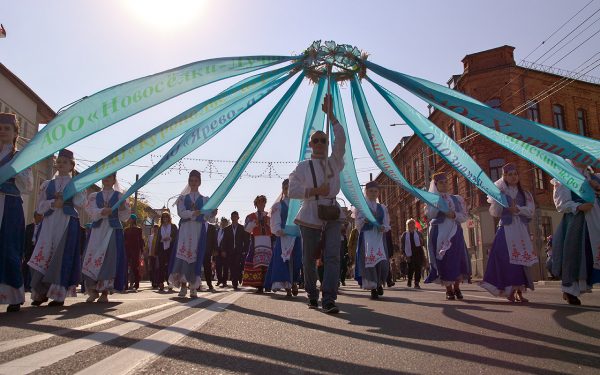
column 348, row 178
column 313, row 121
column 109, row 106
column 195, row 138
column 564, row 144
column 378, row 151
column 173, row 128
column 443, row 145
column 240, row 165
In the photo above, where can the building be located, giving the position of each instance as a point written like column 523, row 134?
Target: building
column 31, row 111
column 494, row 78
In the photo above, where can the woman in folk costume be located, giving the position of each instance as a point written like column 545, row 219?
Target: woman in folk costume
column 576, row 242
column 55, row 262
column 372, row 264
column 446, row 243
column 164, row 243
column 508, row 271
column 12, row 218
column 284, row 270
column 104, row 262
column 259, row 255
column 186, row 261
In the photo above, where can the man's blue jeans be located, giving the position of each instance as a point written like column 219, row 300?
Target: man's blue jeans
column 331, row 261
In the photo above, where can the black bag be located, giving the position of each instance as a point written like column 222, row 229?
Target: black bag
column 327, row 212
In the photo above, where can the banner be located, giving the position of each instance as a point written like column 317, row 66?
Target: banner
column 171, row 129
column 240, row 165
column 348, row 178
column 109, row 106
column 313, row 121
column 564, row 144
column 379, row 153
column 554, row 165
column 443, row 145
column 196, row 137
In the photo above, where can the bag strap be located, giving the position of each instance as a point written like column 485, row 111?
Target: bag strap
column 312, row 171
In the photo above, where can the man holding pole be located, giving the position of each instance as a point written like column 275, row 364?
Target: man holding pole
column 316, row 182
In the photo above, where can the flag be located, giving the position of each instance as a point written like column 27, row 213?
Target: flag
column 2, row 31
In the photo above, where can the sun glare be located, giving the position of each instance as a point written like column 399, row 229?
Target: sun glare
column 166, row 14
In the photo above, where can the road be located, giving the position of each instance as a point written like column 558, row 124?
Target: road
column 407, row 331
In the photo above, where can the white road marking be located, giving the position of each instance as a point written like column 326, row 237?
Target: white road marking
column 52, row 355
column 17, row 343
column 129, row 359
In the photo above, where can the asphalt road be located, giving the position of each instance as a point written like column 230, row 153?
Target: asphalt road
column 406, row 331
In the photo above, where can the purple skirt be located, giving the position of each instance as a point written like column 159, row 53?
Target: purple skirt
column 501, row 277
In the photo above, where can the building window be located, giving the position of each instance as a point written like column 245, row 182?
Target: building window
column 496, row 168
column 465, row 130
column 494, row 103
column 533, row 111
column 452, row 130
column 546, row 226
column 558, row 115
column 582, row 122
column 539, row 179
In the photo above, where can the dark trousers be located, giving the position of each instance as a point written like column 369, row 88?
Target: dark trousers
column 223, row 268
column 235, row 269
column 162, row 274
column 133, row 262
column 153, row 270
column 415, row 265
column 207, row 265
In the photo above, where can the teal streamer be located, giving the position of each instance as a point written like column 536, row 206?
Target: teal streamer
column 109, row 106
column 552, row 164
column 171, row 129
column 313, row 121
column 443, row 145
column 240, row 165
column 379, row 153
column 348, row 178
column 194, row 138
column 564, row 144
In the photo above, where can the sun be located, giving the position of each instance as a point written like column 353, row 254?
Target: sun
column 166, row 14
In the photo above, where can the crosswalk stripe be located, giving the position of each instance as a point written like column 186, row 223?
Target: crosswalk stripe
column 144, row 351
column 17, row 343
column 52, row 355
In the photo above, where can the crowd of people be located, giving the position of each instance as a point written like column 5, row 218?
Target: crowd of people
column 54, row 255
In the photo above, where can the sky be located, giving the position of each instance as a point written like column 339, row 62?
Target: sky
column 67, row 49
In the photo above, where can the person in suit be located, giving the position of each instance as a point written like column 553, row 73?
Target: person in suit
column 411, row 243
column 134, row 246
column 235, row 244
column 222, row 266
column 165, row 242
column 31, row 234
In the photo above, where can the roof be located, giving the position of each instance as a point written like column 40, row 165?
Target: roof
column 43, row 109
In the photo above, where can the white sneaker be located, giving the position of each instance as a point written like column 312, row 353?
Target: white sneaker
column 193, row 293
column 182, row 291
column 103, row 298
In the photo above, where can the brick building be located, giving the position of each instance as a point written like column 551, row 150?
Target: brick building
column 493, row 77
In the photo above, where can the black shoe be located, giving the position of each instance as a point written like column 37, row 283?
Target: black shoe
column 391, row 284
column 37, row 303
column 313, row 304
column 571, row 299
column 374, row 294
column 417, row 286
column 450, row 296
column 409, row 283
column 259, row 290
column 331, row 308
column 380, row 290
column 458, row 294
column 343, row 283
column 56, row 303
column 235, row 287
column 13, row 308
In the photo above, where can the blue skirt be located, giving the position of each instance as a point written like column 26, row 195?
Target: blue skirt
column 453, row 266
